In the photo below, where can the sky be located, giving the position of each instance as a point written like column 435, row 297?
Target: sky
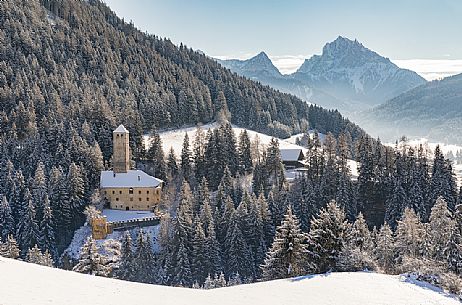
column 422, row 35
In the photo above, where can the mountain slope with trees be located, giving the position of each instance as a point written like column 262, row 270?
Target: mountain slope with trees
column 433, row 110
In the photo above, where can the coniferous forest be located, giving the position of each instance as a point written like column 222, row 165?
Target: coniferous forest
column 72, row 70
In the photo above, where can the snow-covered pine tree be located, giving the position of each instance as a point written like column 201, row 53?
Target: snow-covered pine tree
column 36, row 256
column 76, row 193
column 155, row 154
column 209, row 283
column 199, row 255
column 237, row 252
column 28, row 229
column 395, row 203
column 7, row 224
column 234, row 280
column 182, row 275
column 90, row 261
column 126, row 270
column 288, row 255
column 360, row 236
column 172, row 165
column 440, row 227
column 327, row 236
column 453, row 252
column 186, row 167
column 47, row 231
column 199, row 154
column 220, row 280
column 244, row 153
column 143, row 259
column 385, row 250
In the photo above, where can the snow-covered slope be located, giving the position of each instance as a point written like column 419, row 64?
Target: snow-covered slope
column 174, row 138
column 27, row 284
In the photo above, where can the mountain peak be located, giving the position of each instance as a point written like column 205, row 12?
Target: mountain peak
column 343, row 45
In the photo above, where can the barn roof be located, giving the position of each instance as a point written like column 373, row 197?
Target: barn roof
column 291, row 154
column 132, row 178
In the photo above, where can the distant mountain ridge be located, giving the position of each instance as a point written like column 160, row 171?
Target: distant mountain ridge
column 432, row 110
column 346, row 76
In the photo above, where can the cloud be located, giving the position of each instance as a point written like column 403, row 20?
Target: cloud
column 288, row 64
column 431, row 69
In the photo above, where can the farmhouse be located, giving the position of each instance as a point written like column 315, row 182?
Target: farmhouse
column 127, row 189
column 292, row 158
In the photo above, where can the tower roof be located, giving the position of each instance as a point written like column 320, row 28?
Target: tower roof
column 121, row 128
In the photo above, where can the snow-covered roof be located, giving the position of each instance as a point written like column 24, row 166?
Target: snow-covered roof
column 121, row 128
column 291, row 154
column 132, row 178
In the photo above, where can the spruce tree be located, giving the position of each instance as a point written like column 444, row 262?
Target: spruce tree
column 90, row 261
column 143, row 259
column 244, row 153
column 238, row 254
column 186, row 168
column 126, row 268
column 155, row 154
column 288, row 255
column 327, row 236
column 385, row 250
column 47, row 232
column 7, row 224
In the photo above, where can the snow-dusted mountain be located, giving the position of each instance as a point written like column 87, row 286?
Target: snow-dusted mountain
column 259, row 66
column 28, row 284
column 346, row 76
column 433, row 110
column 348, row 70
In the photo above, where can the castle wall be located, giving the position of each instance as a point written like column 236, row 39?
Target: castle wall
column 137, row 198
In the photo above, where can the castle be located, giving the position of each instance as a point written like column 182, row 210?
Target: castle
column 127, row 189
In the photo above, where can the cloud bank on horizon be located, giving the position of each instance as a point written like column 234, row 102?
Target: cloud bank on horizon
column 430, row 69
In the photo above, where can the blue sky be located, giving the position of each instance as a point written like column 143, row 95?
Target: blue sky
column 400, row 30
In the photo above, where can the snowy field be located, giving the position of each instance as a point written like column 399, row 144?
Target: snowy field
column 27, row 284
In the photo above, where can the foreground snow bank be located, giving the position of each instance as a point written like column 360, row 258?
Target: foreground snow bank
column 23, row 284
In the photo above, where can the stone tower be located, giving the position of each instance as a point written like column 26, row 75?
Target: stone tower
column 120, row 155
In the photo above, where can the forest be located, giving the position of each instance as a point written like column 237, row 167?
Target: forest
column 72, row 70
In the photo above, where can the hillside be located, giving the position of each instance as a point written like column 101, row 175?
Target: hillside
column 433, row 110
column 78, row 58
column 27, row 284
column 346, row 76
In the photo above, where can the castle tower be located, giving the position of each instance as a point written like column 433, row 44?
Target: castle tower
column 120, row 154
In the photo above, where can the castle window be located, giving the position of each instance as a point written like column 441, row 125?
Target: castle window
column 113, row 192
column 140, row 198
column 139, row 192
column 147, row 199
column 120, row 192
column 157, row 192
column 147, row 192
column 147, row 206
column 117, row 199
column 130, row 191
column 131, row 199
